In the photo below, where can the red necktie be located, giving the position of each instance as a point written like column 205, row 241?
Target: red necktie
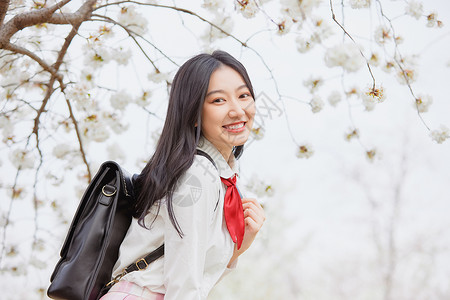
column 234, row 213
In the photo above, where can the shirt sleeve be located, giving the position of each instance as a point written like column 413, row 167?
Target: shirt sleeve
column 184, row 257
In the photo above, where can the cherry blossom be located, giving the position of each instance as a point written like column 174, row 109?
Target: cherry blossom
column 441, row 134
column 316, row 104
column 346, row 56
column 304, row 151
column 132, row 19
column 351, row 134
column 423, row 103
column 303, row 45
column 120, row 100
column 334, row 98
column 359, row 3
column 22, row 159
column 61, row 150
column 414, row 9
column 248, row 8
column 313, row 83
column 382, row 34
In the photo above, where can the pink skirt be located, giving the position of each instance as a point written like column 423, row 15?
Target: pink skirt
column 130, row 291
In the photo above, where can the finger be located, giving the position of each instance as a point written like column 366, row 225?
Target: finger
column 251, row 200
column 259, row 219
column 249, row 205
column 253, row 205
column 257, row 209
column 251, row 225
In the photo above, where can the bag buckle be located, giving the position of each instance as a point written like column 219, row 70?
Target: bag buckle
column 108, row 190
column 117, row 278
column 139, row 267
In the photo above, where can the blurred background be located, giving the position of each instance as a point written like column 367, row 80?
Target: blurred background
column 355, row 186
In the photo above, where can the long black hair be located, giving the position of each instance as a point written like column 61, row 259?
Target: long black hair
column 175, row 150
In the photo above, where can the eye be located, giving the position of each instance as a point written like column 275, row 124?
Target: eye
column 245, row 95
column 218, row 100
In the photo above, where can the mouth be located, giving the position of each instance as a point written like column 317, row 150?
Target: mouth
column 235, row 127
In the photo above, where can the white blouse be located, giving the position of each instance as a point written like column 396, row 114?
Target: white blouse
column 193, row 264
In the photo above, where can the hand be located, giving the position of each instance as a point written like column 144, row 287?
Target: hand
column 254, row 218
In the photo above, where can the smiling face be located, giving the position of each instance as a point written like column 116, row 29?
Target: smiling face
column 228, row 110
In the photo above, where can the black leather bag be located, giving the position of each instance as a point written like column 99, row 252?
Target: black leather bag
column 92, row 244
column 98, row 228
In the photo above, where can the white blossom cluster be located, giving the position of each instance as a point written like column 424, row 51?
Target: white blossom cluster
column 372, row 154
column 351, row 134
column 316, row 104
column 22, row 159
column 383, row 34
column 144, row 99
column 257, row 133
column 92, row 127
column 313, row 83
column 433, row 21
column 98, row 55
column 334, row 98
column 120, row 100
column 321, row 30
column 346, row 56
column 213, row 5
column 221, row 19
column 372, row 96
column 414, row 9
column 359, row 4
column 297, row 9
column 60, row 151
column 441, row 134
column 423, row 102
column 259, row 187
column 304, row 151
column 406, row 70
column 158, row 77
column 79, row 93
column 374, row 59
column 133, row 20
column 248, row 8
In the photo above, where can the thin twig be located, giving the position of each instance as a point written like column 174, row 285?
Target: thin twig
column 403, row 72
column 80, row 142
column 333, row 16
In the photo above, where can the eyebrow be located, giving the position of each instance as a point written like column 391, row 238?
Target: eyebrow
column 222, row 91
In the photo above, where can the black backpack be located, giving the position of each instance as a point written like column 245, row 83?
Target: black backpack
column 98, row 228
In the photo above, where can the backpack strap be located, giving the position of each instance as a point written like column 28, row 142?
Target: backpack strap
column 203, row 153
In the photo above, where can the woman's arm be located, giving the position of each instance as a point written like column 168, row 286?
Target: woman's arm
column 254, row 218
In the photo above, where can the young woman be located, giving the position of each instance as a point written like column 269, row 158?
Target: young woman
column 186, row 201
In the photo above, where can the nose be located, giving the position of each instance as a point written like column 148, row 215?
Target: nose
column 236, row 109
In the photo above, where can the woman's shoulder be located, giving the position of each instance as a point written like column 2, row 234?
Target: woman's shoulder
column 203, row 170
column 200, row 181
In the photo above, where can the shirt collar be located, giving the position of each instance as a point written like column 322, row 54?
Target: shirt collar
column 223, row 167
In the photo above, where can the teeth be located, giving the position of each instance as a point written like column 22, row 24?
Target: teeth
column 237, row 126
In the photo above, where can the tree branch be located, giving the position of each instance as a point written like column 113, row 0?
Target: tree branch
column 397, row 52
column 183, row 10
column 4, row 4
column 21, row 50
column 28, row 19
column 333, row 16
column 132, row 34
column 80, row 142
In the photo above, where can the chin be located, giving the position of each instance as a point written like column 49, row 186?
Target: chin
column 240, row 142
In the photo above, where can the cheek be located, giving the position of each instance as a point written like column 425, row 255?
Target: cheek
column 251, row 110
column 211, row 120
